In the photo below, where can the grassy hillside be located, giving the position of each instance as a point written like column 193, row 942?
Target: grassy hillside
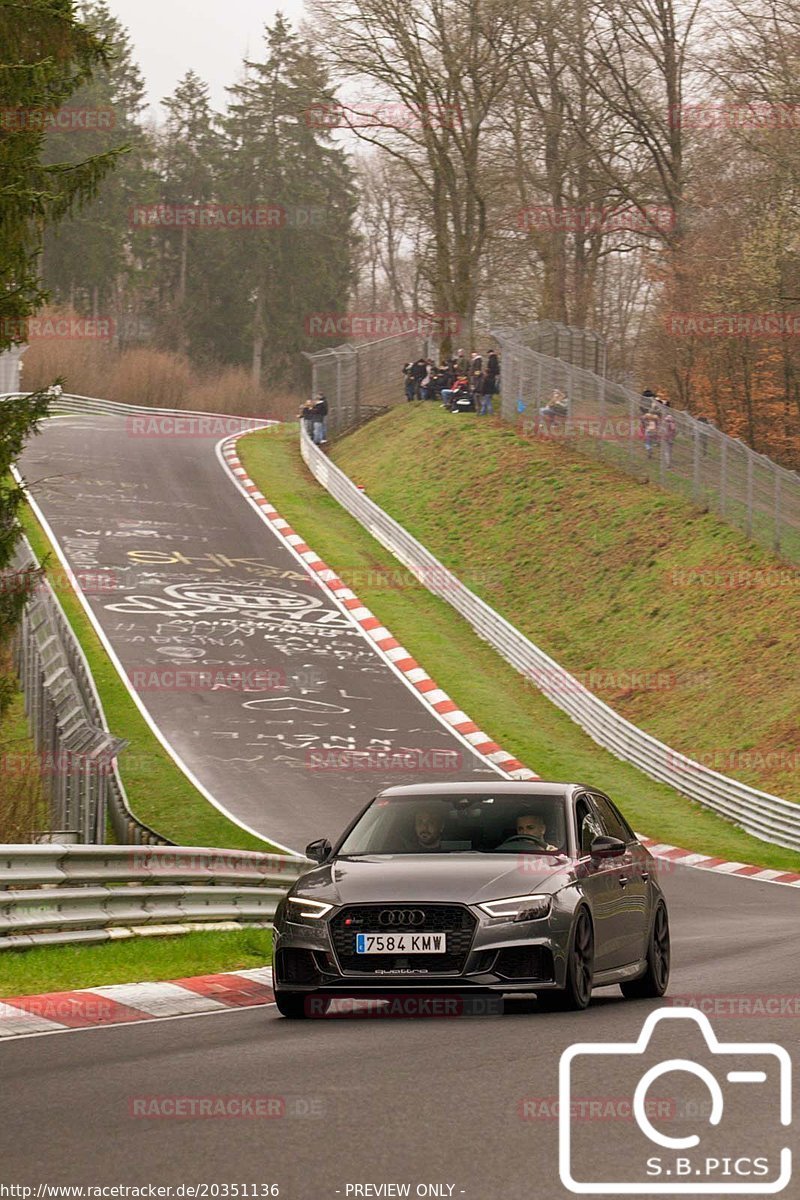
column 493, row 694
column 608, row 575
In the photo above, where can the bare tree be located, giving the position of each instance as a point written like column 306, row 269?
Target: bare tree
column 444, row 64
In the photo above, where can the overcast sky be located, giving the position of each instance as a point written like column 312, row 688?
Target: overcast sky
column 212, row 36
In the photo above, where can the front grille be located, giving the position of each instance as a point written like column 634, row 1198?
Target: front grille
column 457, row 922
column 525, row 962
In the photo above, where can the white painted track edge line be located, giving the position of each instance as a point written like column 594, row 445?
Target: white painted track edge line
column 222, row 1012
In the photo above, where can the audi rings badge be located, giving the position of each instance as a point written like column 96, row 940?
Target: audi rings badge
column 396, row 917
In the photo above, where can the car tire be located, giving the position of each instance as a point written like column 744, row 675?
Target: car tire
column 577, row 991
column 654, row 982
column 297, row 1007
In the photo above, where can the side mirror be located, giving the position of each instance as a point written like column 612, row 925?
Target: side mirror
column 607, row 847
column 320, row 850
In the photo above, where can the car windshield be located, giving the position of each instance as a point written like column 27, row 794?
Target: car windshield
column 477, row 823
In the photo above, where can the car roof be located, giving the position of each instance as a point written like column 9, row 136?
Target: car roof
column 510, row 787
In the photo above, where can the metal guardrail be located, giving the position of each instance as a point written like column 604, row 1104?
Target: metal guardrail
column 77, row 752
column 226, row 423
column 56, row 894
column 765, row 816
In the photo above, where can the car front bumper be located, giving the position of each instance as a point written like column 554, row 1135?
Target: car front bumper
column 503, row 956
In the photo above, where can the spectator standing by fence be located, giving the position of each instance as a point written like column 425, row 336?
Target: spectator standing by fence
column 306, row 415
column 408, row 381
column 319, row 416
column 486, row 391
column 493, row 369
column 669, row 431
column 650, row 424
column 419, row 370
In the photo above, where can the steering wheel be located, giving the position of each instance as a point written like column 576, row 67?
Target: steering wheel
column 526, row 837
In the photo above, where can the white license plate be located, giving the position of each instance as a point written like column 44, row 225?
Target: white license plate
column 401, row 943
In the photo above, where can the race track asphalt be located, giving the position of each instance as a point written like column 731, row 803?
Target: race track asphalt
column 368, row 1100
column 457, row 1106
column 184, row 575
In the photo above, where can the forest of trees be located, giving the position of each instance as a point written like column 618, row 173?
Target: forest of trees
column 599, row 163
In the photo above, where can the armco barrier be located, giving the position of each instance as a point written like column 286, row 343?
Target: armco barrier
column 765, row 816
column 77, row 751
column 55, row 894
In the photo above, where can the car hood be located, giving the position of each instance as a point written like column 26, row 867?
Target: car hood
column 466, row 878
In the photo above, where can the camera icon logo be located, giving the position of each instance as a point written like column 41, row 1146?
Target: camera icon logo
column 745, row 1089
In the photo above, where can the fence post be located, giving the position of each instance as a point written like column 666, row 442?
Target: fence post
column 749, row 493
column 696, row 464
column 633, row 404
column 777, row 540
column 723, row 475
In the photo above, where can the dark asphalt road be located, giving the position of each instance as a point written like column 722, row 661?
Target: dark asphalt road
column 410, row 1101
column 183, row 575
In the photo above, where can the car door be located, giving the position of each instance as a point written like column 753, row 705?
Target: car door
column 632, row 880
column 600, row 880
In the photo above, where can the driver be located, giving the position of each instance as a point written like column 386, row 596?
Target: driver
column 531, row 824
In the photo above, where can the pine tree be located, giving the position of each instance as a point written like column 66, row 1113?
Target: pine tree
column 47, row 53
column 189, row 155
column 91, row 260
column 275, row 157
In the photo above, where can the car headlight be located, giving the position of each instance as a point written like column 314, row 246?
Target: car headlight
column 519, row 908
column 306, row 909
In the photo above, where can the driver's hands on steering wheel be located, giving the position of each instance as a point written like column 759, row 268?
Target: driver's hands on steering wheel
column 531, row 837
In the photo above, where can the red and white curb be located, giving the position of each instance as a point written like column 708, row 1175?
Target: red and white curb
column 438, row 700
column 383, row 642
column 706, row 862
column 126, row 1003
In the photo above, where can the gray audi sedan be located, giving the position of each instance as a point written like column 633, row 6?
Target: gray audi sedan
column 467, row 887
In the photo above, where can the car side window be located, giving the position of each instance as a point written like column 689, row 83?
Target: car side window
column 587, row 823
column 614, row 824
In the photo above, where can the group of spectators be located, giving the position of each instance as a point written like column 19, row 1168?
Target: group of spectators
column 314, row 415
column 460, row 383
